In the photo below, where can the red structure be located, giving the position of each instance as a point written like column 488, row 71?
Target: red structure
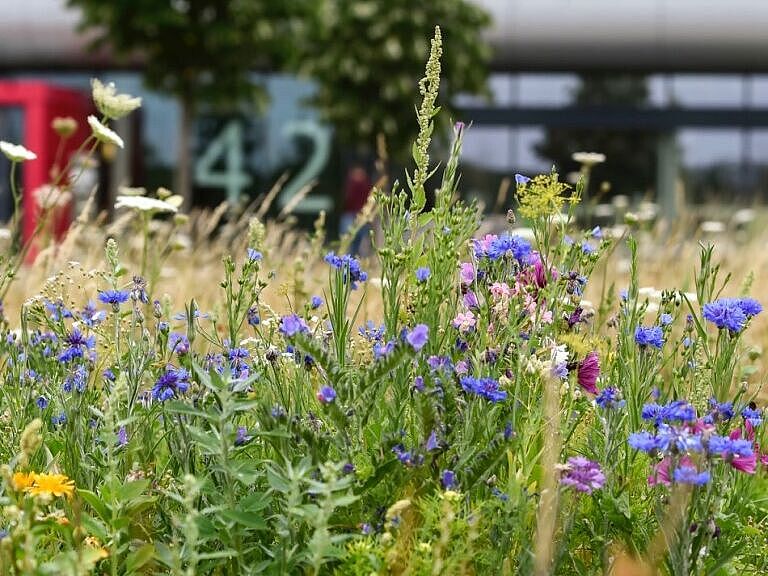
column 40, row 103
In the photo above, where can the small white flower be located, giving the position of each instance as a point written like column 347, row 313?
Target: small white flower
column 104, row 134
column 588, row 158
column 16, row 152
column 110, row 103
column 144, row 204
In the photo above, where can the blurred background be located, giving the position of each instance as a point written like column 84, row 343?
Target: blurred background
column 239, row 93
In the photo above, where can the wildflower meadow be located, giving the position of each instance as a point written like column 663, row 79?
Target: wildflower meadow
column 453, row 404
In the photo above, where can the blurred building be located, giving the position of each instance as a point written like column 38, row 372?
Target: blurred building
column 703, row 60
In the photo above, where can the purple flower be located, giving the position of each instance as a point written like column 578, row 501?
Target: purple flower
column 418, row 337
column 326, row 395
column 487, row 388
column 588, row 371
column 666, row 319
column 596, row 232
column 122, row 436
column 349, row 267
column 316, row 302
column 582, row 475
column 114, row 297
column 649, row 336
column 643, row 441
column 432, row 443
column 253, row 316
column 178, row 343
column 422, row 274
column 254, row 255
column 170, row 384
column 292, row 324
column 42, row 402
column 609, row 399
column 752, row 415
column 418, row 384
column 382, row 350
column 242, row 436
column 467, row 273
column 448, row 479
column 731, row 313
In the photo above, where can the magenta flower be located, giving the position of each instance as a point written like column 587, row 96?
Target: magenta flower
column 582, row 475
column 589, row 370
column 467, row 273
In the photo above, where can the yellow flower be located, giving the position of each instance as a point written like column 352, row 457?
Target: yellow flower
column 22, row 480
column 93, row 542
column 51, row 485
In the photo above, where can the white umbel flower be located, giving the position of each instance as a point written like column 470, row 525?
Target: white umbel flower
column 110, row 103
column 588, row 158
column 104, row 134
column 16, row 152
column 144, row 204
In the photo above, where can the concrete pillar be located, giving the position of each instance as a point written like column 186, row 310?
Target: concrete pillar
column 667, row 172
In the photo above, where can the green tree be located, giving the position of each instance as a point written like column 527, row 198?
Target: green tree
column 366, row 55
column 201, row 51
column 630, row 154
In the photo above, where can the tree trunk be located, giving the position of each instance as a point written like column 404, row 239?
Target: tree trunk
column 184, row 159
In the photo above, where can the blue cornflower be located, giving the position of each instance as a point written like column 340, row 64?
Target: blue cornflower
column 293, row 324
column 725, row 313
column 59, row 419
column 727, row 447
column 679, row 410
column 42, row 402
column 315, row 302
column 371, row 333
column 643, row 441
column 91, row 316
column 57, row 310
column 675, row 439
column 587, row 248
column 171, row 383
column 610, row 399
column 665, row 319
column 349, row 267
column 253, row 316
column 649, row 336
column 254, row 255
column 77, row 343
column 719, row 411
column 752, row 415
column 448, row 479
column 237, row 363
column 596, row 232
column 242, row 436
column 326, row 395
column 750, row 306
column 418, row 337
column 505, row 244
column 689, row 475
column 422, row 274
column 77, row 380
column 521, row 180
column 487, row 388
column 178, row 343
column 114, row 297
column 418, row 384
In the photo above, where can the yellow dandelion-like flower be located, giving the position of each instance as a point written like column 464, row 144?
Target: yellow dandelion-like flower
column 93, row 542
column 22, row 480
column 51, row 485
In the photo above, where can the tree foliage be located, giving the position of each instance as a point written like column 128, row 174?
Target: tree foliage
column 630, row 154
column 365, row 55
column 200, row 50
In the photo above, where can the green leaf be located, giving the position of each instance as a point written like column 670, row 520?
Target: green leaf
column 101, row 509
column 139, row 558
column 247, row 519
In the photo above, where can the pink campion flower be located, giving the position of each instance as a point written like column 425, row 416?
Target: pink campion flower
column 699, row 425
column 500, row 290
column 545, row 316
column 484, row 244
column 746, row 464
column 461, row 367
column 588, row 371
column 464, row 321
column 661, row 473
column 467, row 273
column 764, row 459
